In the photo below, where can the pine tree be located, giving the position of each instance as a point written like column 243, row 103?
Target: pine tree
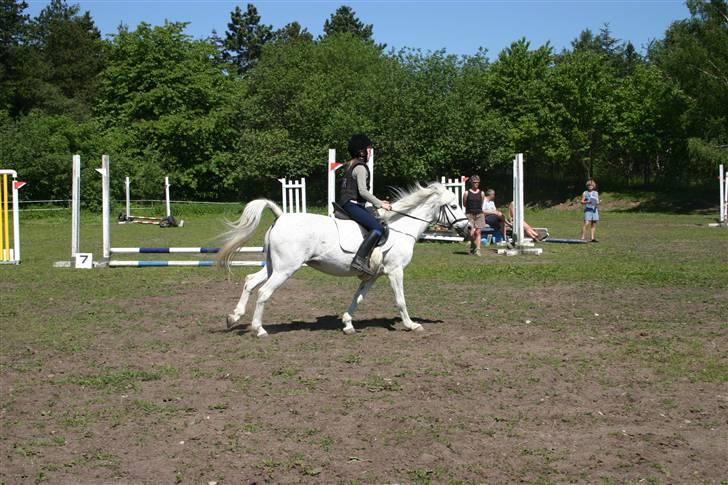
column 71, row 47
column 608, row 44
column 344, row 20
column 245, row 38
column 13, row 33
column 630, row 58
column 292, row 33
column 13, row 24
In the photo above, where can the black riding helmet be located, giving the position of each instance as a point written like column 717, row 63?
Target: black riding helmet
column 357, row 143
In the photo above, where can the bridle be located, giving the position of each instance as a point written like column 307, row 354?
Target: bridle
column 445, row 212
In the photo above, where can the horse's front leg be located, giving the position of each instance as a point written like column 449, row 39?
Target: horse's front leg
column 396, row 279
column 359, row 296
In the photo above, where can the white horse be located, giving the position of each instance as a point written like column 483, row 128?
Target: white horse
column 328, row 245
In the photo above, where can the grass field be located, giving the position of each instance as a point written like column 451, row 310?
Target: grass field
column 604, row 362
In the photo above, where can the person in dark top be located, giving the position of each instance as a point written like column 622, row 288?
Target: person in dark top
column 354, row 194
column 473, row 202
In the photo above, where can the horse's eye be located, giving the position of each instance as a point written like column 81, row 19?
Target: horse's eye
column 453, row 206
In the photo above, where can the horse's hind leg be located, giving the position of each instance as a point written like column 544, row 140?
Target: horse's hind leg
column 276, row 279
column 359, row 296
column 251, row 283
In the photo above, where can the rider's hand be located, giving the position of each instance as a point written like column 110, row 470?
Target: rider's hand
column 386, row 205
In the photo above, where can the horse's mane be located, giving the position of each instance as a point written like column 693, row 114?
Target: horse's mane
column 406, row 200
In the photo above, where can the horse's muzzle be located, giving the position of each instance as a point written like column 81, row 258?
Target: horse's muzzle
column 464, row 231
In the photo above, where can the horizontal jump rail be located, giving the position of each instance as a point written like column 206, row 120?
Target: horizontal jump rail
column 153, row 250
column 156, row 223
column 147, row 218
column 159, row 264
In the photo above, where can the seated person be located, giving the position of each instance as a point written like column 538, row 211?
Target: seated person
column 528, row 231
column 493, row 217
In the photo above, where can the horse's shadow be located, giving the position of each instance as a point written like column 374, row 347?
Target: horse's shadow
column 325, row 323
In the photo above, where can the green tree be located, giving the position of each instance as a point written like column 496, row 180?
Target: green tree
column 649, row 135
column 345, row 21
column 582, row 87
column 40, row 146
column 694, row 53
column 245, row 38
column 519, row 90
column 166, row 97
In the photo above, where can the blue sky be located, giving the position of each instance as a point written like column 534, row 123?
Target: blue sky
column 459, row 26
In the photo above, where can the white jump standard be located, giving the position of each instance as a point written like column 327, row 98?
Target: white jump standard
column 167, row 221
column 293, row 195
column 8, row 254
column 723, row 191
column 520, row 245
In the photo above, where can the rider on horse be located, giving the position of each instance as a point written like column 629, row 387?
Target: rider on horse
column 354, row 194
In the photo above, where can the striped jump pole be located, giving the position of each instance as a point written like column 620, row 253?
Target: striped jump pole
column 167, row 264
column 9, row 254
column 180, row 250
column 108, row 250
column 153, row 250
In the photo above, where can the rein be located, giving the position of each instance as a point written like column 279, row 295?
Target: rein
column 444, row 210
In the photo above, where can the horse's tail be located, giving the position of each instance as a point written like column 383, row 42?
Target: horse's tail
column 241, row 230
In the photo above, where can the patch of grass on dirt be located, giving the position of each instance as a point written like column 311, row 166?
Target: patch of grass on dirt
column 117, row 380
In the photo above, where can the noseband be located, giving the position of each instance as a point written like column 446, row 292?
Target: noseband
column 446, row 211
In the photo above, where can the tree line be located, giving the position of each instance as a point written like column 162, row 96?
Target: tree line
column 226, row 115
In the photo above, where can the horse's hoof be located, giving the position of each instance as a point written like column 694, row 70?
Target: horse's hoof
column 349, row 330
column 418, row 329
column 231, row 320
column 262, row 334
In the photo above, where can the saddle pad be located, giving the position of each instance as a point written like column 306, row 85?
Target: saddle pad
column 351, row 234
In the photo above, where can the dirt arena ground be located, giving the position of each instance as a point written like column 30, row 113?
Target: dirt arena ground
column 605, row 363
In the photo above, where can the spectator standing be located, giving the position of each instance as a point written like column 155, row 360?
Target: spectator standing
column 590, row 201
column 473, row 200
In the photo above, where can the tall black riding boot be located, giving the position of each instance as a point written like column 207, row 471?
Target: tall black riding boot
column 361, row 260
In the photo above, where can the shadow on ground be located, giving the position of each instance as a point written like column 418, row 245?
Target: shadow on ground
column 324, row 323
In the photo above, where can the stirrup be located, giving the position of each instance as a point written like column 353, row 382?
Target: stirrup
column 362, row 266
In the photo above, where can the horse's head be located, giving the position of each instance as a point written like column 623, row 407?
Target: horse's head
column 451, row 215
column 431, row 204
